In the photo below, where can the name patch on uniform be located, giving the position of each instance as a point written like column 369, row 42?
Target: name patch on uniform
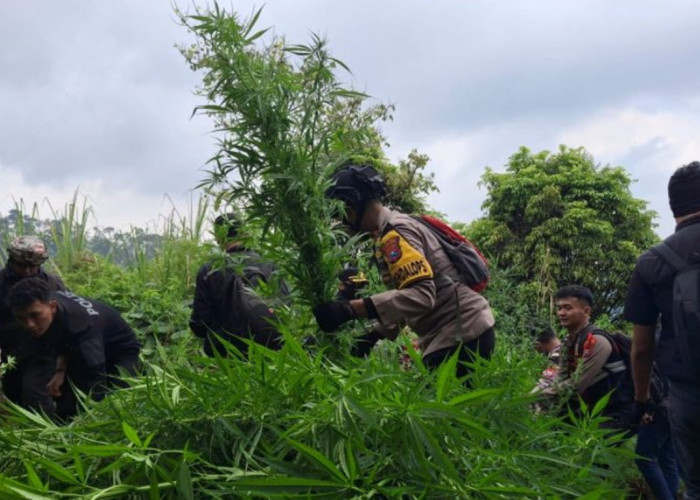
column 406, row 264
column 86, row 304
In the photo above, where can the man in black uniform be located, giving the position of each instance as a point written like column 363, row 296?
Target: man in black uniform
column 224, row 305
column 650, row 298
column 25, row 384
column 90, row 342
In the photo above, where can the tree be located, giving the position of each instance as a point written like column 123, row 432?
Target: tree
column 285, row 123
column 558, row 218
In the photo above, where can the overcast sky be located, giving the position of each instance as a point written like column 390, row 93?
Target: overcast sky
column 94, row 95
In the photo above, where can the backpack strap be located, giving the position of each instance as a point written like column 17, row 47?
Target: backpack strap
column 670, row 256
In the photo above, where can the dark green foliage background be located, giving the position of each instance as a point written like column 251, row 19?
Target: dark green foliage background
column 555, row 219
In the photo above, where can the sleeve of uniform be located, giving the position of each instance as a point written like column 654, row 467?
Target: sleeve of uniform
column 403, row 254
column 202, row 318
column 596, row 351
column 640, row 307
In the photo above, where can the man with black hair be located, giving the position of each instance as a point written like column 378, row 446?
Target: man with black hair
column 25, row 384
column 548, row 343
column 426, row 293
column 592, row 362
column 89, row 341
column 650, row 298
column 225, row 306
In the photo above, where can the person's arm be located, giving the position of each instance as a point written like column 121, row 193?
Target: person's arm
column 404, row 255
column 59, row 377
column 642, row 356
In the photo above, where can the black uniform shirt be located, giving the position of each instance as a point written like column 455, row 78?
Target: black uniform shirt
column 650, row 295
column 91, row 333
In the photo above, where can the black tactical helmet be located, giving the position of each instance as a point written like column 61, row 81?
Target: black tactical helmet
column 355, row 185
column 28, row 250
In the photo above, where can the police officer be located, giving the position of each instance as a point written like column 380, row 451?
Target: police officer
column 591, row 361
column 26, row 383
column 447, row 315
column 223, row 306
column 650, row 298
column 90, row 342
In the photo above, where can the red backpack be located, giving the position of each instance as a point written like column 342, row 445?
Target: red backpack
column 472, row 267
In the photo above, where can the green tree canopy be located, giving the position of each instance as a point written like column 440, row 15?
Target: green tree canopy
column 558, row 218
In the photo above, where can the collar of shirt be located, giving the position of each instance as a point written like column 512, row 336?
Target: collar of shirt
column 382, row 221
column 688, row 222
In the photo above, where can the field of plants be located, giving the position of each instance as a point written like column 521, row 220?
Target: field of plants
column 312, row 421
column 296, row 423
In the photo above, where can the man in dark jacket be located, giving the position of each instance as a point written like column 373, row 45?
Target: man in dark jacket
column 650, row 299
column 225, row 304
column 90, row 342
column 25, row 384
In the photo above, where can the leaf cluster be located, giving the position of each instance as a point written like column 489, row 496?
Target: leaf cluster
column 558, row 218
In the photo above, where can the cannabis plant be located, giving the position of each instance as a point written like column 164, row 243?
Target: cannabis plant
column 281, row 133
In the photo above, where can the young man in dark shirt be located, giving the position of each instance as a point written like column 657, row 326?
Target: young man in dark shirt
column 650, row 299
column 89, row 341
column 25, row 383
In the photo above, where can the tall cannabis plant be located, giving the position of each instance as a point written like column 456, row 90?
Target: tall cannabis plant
column 281, row 132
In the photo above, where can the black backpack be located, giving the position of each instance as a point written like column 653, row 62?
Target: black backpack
column 619, row 365
column 685, row 307
column 254, row 315
column 471, row 265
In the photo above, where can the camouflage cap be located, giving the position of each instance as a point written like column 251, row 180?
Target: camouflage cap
column 28, row 250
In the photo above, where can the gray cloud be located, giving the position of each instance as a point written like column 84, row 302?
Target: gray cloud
column 96, row 90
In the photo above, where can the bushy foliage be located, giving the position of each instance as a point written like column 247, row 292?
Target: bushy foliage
column 285, row 123
column 558, row 218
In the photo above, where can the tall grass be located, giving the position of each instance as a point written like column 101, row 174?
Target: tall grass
column 291, row 425
column 296, row 424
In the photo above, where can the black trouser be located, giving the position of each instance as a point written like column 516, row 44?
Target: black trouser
column 482, row 346
column 683, row 411
column 25, row 385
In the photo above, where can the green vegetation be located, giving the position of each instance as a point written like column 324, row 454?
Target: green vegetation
column 555, row 219
column 301, row 422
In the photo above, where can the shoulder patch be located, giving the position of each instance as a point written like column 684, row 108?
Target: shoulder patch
column 406, row 264
column 391, row 249
column 588, row 345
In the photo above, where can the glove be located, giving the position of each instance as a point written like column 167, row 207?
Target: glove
column 330, row 315
column 643, row 412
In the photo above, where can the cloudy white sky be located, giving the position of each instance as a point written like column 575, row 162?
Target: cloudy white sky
column 95, row 96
